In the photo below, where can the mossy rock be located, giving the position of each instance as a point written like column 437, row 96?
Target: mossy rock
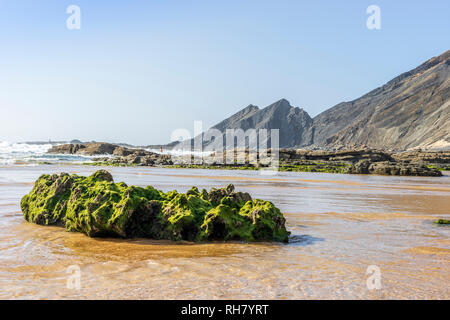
column 98, row 207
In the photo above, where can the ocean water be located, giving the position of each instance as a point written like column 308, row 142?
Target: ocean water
column 29, row 154
column 12, row 153
column 343, row 226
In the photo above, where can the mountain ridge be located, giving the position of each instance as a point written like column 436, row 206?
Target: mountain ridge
column 404, row 109
column 410, row 111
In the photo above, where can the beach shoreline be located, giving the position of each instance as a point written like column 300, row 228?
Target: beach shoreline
column 340, row 225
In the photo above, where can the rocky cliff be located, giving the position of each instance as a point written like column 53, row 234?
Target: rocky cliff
column 410, row 111
column 293, row 124
column 121, row 155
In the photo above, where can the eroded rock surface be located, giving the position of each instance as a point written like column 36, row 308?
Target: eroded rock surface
column 119, row 155
column 393, row 169
column 97, row 207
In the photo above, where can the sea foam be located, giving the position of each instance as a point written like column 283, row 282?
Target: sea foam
column 14, row 153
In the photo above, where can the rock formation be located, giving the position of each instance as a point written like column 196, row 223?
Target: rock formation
column 122, row 155
column 98, row 207
column 356, row 161
column 363, row 161
column 292, row 123
column 93, row 148
column 410, row 111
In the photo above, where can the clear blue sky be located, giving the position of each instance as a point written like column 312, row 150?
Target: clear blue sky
column 137, row 70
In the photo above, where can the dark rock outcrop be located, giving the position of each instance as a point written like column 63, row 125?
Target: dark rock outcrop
column 363, row 161
column 357, row 161
column 137, row 159
column 121, row 155
column 93, row 148
column 419, row 156
column 393, row 169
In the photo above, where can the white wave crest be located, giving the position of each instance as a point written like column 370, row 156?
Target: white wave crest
column 23, row 148
column 31, row 154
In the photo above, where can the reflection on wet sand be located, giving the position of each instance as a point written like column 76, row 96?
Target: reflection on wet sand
column 367, row 216
column 340, row 225
column 428, row 250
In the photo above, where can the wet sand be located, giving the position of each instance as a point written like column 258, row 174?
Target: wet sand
column 340, row 225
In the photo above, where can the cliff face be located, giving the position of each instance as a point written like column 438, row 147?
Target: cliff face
column 410, row 111
column 293, row 124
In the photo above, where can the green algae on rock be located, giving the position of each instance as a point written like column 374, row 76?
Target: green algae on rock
column 98, row 207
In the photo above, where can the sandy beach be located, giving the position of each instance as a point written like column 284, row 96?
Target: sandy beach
column 340, row 225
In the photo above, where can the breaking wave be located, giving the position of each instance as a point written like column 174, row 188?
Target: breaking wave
column 12, row 153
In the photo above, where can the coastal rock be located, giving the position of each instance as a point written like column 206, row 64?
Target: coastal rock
column 97, row 148
column 136, row 159
column 121, row 155
column 346, row 155
column 403, row 169
column 94, row 148
column 437, row 159
column 356, row 161
column 98, row 207
column 216, row 195
column 361, row 167
column 71, row 148
column 122, row 152
column 393, row 169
